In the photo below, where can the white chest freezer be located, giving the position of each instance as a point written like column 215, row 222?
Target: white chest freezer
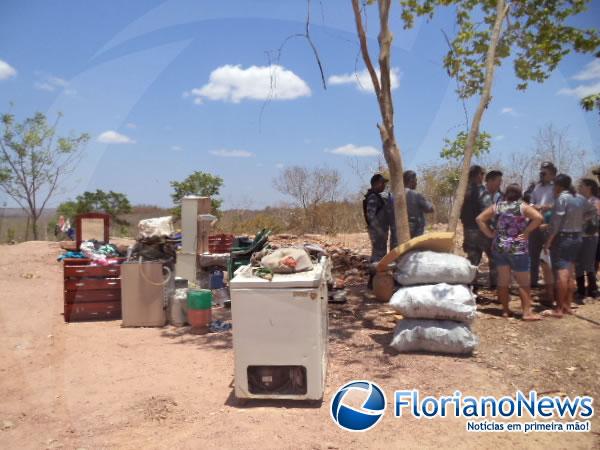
column 280, row 332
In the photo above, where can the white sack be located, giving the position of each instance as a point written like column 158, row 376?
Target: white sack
column 432, row 267
column 156, row 227
column 287, row 260
column 437, row 336
column 438, row 301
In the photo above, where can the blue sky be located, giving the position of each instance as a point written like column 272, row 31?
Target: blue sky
column 169, row 87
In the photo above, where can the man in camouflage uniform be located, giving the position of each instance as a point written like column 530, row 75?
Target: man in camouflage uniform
column 378, row 209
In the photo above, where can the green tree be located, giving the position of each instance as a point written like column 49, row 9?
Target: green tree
column 455, row 149
column 198, row 183
column 112, row 203
column 591, row 102
column 34, row 161
column 535, row 34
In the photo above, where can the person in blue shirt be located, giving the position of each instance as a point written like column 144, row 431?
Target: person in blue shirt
column 416, row 204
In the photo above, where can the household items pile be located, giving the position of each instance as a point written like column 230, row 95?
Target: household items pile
column 99, row 253
column 436, row 302
column 155, row 242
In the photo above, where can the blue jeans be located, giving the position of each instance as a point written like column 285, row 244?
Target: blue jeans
column 517, row 263
column 587, row 255
column 564, row 250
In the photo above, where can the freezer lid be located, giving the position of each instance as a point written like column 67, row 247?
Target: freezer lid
column 244, row 279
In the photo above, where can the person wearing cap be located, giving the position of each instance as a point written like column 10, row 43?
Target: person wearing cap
column 542, row 199
column 416, row 204
column 378, row 210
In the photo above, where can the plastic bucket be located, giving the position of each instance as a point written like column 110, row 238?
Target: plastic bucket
column 199, row 319
column 199, row 299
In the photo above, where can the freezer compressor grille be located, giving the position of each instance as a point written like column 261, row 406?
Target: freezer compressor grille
column 280, row 380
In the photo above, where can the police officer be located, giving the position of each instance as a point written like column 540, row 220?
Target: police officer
column 378, row 210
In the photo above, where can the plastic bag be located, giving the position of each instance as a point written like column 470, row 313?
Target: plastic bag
column 439, row 301
column 436, row 336
column 545, row 258
column 156, row 227
column 287, row 260
column 431, row 268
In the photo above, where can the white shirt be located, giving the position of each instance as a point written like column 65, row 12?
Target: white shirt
column 543, row 194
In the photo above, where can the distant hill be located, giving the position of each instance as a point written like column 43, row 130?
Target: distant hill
column 18, row 212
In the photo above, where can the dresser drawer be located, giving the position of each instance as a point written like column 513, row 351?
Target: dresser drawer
column 92, row 311
column 85, row 284
column 92, row 271
column 91, row 296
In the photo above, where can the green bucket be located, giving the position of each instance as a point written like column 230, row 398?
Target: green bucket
column 199, row 299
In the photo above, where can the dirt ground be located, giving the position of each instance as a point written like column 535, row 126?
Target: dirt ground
column 97, row 385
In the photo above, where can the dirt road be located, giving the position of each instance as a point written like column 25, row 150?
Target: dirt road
column 97, row 385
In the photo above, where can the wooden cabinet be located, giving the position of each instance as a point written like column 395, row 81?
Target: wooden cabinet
column 91, row 292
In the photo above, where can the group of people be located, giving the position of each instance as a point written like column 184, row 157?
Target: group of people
column 378, row 209
column 554, row 225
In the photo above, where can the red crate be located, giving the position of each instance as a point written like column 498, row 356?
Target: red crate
column 220, row 243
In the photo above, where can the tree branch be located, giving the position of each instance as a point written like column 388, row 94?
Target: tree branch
column 362, row 37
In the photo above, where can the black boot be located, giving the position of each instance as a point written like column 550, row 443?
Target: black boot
column 592, row 285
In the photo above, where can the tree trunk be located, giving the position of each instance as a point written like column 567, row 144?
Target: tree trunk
column 461, row 190
column 34, row 227
column 27, row 228
column 383, row 91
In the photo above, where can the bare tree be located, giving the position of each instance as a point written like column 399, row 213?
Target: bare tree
column 553, row 144
column 383, row 91
column 310, row 188
column 549, row 144
column 34, row 162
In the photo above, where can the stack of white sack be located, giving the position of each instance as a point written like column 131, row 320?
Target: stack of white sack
column 436, row 302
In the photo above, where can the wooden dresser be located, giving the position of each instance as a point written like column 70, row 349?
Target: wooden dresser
column 91, row 292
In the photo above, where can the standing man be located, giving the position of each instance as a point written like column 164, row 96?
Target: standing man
column 542, row 199
column 378, row 211
column 416, row 204
column 491, row 195
column 474, row 240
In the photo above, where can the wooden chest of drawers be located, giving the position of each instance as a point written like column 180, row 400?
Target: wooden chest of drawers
column 91, row 292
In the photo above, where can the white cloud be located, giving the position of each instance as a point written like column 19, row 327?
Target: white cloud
column 50, row 83
column 176, row 148
column 499, row 137
column 233, row 84
column 6, row 70
column 131, row 125
column 583, row 90
column 232, row 153
column 362, row 80
column 279, row 165
column 509, row 110
column 112, row 137
column 354, row 150
column 591, row 71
